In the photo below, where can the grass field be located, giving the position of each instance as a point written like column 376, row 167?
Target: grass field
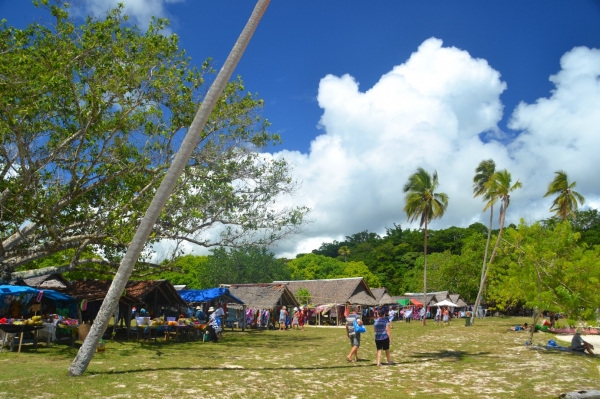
column 483, row 361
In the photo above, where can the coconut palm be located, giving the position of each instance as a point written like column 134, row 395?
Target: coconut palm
column 567, row 201
column 422, row 202
column 499, row 187
column 344, row 251
column 107, row 309
column 482, row 186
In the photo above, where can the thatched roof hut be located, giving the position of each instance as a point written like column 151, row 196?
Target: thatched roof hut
column 456, row 298
column 263, row 296
column 353, row 290
column 382, row 296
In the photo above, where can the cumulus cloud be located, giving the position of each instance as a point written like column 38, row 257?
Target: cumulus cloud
column 432, row 112
column 139, row 11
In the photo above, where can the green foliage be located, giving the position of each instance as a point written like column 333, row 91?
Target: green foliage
column 545, row 268
column 303, row 296
column 316, row 267
column 249, row 264
column 188, row 270
column 91, row 117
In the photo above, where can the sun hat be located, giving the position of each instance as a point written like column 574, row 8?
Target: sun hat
column 578, row 331
column 295, row 308
column 211, row 309
column 198, row 308
column 284, row 308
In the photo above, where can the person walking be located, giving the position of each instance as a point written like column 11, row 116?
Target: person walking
column 438, row 315
column 296, row 319
column 283, row 313
column 383, row 337
column 446, row 316
column 422, row 315
column 353, row 336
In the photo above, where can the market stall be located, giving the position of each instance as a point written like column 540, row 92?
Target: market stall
column 209, row 297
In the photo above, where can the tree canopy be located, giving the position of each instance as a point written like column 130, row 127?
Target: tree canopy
column 91, row 116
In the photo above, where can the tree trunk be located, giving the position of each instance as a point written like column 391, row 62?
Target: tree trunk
column 191, row 140
column 483, row 267
column 494, row 252
column 425, row 273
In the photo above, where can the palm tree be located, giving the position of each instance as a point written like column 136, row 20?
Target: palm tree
column 422, row 202
column 482, row 186
column 107, row 309
column 344, row 251
column 567, row 201
column 499, row 188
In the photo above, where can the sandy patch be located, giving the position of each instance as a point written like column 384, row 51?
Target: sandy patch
column 592, row 339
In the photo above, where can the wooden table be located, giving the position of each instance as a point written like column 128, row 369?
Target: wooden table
column 21, row 329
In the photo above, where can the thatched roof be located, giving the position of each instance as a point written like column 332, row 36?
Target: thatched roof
column 94, row 290
column 53, row 281
column 382, row 296
column 160, row 292
column 352, row 290
column 263, row 296
column 455, row 298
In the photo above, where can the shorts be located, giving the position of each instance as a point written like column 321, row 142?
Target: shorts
column 382, row 344
column 355, row 340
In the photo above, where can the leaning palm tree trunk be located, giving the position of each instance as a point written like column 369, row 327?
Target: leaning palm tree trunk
column 483, row 267
column 191, row 140
column 425, row 273
column 487, row 268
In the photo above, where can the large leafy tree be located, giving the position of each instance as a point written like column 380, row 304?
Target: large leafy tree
column 501, row 186
column 544, row 268
column 483, row 186
column 133, row 129
column 424, row 203
column 249, row 264
column 567, row 200
column 91, row 117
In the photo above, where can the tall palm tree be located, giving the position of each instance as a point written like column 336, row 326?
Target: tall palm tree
column 422, row 202
column 567, row 201
column 482, row 186
column 500, row 186
column 107, row 309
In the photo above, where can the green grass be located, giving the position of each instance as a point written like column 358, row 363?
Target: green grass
column 483, row 361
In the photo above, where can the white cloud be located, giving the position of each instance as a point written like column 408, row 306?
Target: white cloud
column 429, row 112
column 139, row 11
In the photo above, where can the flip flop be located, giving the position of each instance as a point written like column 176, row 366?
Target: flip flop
column 348, row 359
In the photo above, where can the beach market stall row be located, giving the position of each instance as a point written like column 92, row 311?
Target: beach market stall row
column 341, row 295
column 207, row 298
column 21, row 310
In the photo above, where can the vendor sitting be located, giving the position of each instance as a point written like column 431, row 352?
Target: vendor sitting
column 579, row 345
column 200, row 315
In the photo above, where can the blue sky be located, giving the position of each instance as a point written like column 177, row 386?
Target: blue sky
column 441, row 82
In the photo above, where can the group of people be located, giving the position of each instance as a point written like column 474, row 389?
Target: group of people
column 442, row 315
column 299, row 318
column 383, row 335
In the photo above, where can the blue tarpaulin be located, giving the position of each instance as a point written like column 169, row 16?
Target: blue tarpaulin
column 220, row 294
column 25, row 295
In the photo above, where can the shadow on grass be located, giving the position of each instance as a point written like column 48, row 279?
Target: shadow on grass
column 446, row 354
column 241, row 368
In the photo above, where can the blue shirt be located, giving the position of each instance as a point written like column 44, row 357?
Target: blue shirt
column 379, row 326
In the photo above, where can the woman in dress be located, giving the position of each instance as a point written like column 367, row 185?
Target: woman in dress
column 282, row 318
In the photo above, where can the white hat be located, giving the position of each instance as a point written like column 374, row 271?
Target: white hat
column 211, row 309
column 295, row 308
column 198, row 308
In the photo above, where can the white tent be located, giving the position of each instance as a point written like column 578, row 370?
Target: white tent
column 446, row 302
